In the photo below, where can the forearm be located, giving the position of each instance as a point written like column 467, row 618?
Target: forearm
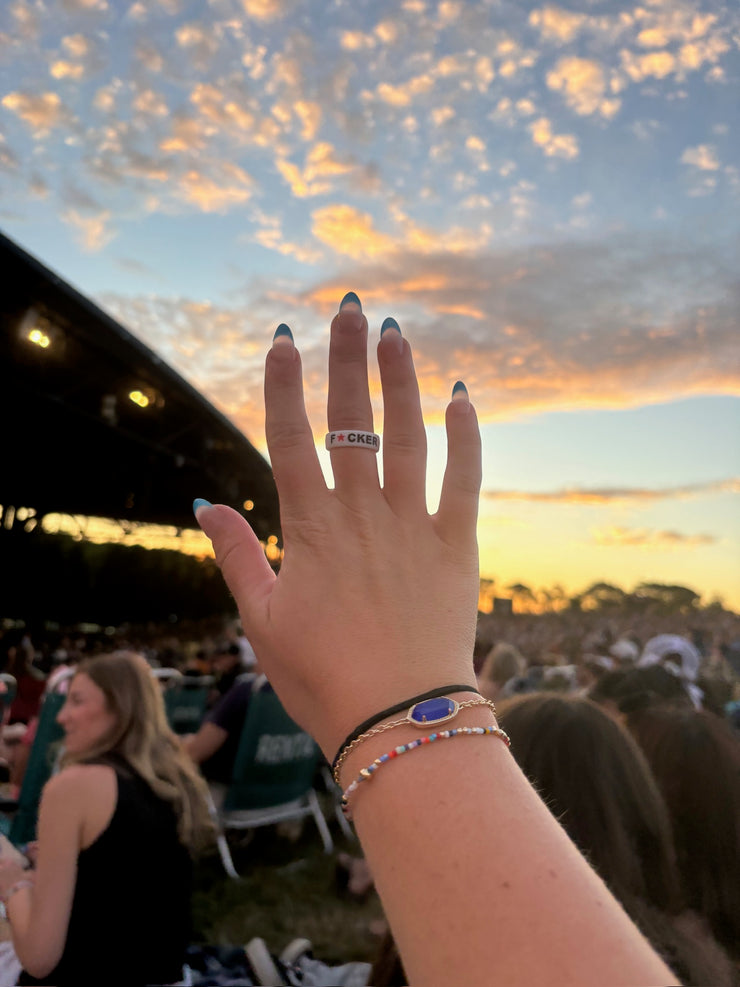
column 31, row 949
column 478, row 878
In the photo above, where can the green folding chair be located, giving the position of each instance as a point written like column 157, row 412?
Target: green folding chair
column 273, row 775
column 19, row 816
column 186, row 701
column 9, row 693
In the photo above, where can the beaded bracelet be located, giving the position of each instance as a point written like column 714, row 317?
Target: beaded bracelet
column 367, row 773
column 397, row 708
column 452, row 711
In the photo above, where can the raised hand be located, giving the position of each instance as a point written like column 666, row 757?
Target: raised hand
column 375, row 600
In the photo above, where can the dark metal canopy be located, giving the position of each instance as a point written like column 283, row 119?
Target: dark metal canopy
column 95, row 423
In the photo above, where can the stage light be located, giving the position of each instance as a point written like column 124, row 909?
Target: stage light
column 39, row 337
column 140, row 398
column 248, row 505
column 37, row 329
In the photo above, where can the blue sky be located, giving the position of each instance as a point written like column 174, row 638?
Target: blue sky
column 545, row 196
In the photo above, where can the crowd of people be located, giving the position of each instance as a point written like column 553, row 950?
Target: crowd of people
column 585, row 830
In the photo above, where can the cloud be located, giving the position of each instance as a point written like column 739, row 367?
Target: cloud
column 703, row 156
column 583, row 83
column 84, row 6
column 321, row 165
column 617, row 322
column 613, row 323
column 264, row 10
column 556, row 24
column 404, row 94
column 67, row 70
column 657, row 64
column 150, row 103
column 41, row 111
column 270, row 235
column 93, row 231
column 349, row 231
column 227, row 186
column 600, row 496
column 356, row 40
column 618, row 537
column 554, row 145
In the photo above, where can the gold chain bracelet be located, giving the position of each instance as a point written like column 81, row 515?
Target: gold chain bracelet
column 399, row 723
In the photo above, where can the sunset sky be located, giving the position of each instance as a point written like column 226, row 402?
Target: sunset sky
column 546, row 197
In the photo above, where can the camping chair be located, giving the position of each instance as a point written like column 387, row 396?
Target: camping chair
column 7, row 697
column 21, row 828
column 273, row 775
column 185, row 699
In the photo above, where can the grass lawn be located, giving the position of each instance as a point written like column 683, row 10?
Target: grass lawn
column 288, row 890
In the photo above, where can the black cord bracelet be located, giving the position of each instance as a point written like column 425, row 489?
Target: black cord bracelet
column 398, row 708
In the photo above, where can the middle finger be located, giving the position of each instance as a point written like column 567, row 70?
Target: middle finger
column 355, row 468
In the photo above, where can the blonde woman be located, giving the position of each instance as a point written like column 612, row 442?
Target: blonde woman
column 109, row 900
column 503, row 662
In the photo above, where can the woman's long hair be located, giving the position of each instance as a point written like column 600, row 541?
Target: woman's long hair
column 596, row 780
column 142, row 737
column 695, row 757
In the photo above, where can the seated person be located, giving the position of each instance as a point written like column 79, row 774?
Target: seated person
column 227, row 666
column 215, row 745
column 109, row 899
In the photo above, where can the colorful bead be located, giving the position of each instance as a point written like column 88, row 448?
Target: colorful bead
column 367, row 773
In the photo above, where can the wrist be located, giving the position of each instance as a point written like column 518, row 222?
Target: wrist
column 395, row 731
column 362, row 701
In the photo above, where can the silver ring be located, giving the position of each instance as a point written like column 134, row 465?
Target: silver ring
column 351, row 438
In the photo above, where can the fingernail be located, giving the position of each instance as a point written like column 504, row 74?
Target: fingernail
column 460, row 392
column 283, row 335
column 350, row 299
column 389, row 323
column 198, row 503
column 395, row 335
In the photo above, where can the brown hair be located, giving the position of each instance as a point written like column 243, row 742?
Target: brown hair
column 595, row 780
column 695, row 757
column 142, row 736
column 502, row 663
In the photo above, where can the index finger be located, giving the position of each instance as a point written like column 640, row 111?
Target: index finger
column 295, row 463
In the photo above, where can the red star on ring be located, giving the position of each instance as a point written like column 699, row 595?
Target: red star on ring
column 340, row 438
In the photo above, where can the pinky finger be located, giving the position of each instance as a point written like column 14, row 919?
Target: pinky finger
column 457, row 515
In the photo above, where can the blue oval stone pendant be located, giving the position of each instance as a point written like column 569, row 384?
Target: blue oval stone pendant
column 432, row 711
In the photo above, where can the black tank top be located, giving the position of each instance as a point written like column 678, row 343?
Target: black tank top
column 130, row 920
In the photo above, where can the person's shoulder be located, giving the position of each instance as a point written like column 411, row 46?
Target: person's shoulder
column 80, row 779
column 232, row 703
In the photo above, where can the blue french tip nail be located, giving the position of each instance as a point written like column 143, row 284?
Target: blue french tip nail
column 283, row 330
column 460, row 389
column 198, row 503
column 389, row 323
column 352, row 298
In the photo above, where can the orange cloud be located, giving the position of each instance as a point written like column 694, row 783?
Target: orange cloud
column 554, row 145
column 213, row 193
column 350, row 232
column 704, row 157
column 618, row 537
column 93, row 231
column 41, row 111
column 617, row 495
column 556, row 24
column 583, row 83
column 321, row 164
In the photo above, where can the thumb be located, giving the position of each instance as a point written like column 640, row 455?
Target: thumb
column 239, row 555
